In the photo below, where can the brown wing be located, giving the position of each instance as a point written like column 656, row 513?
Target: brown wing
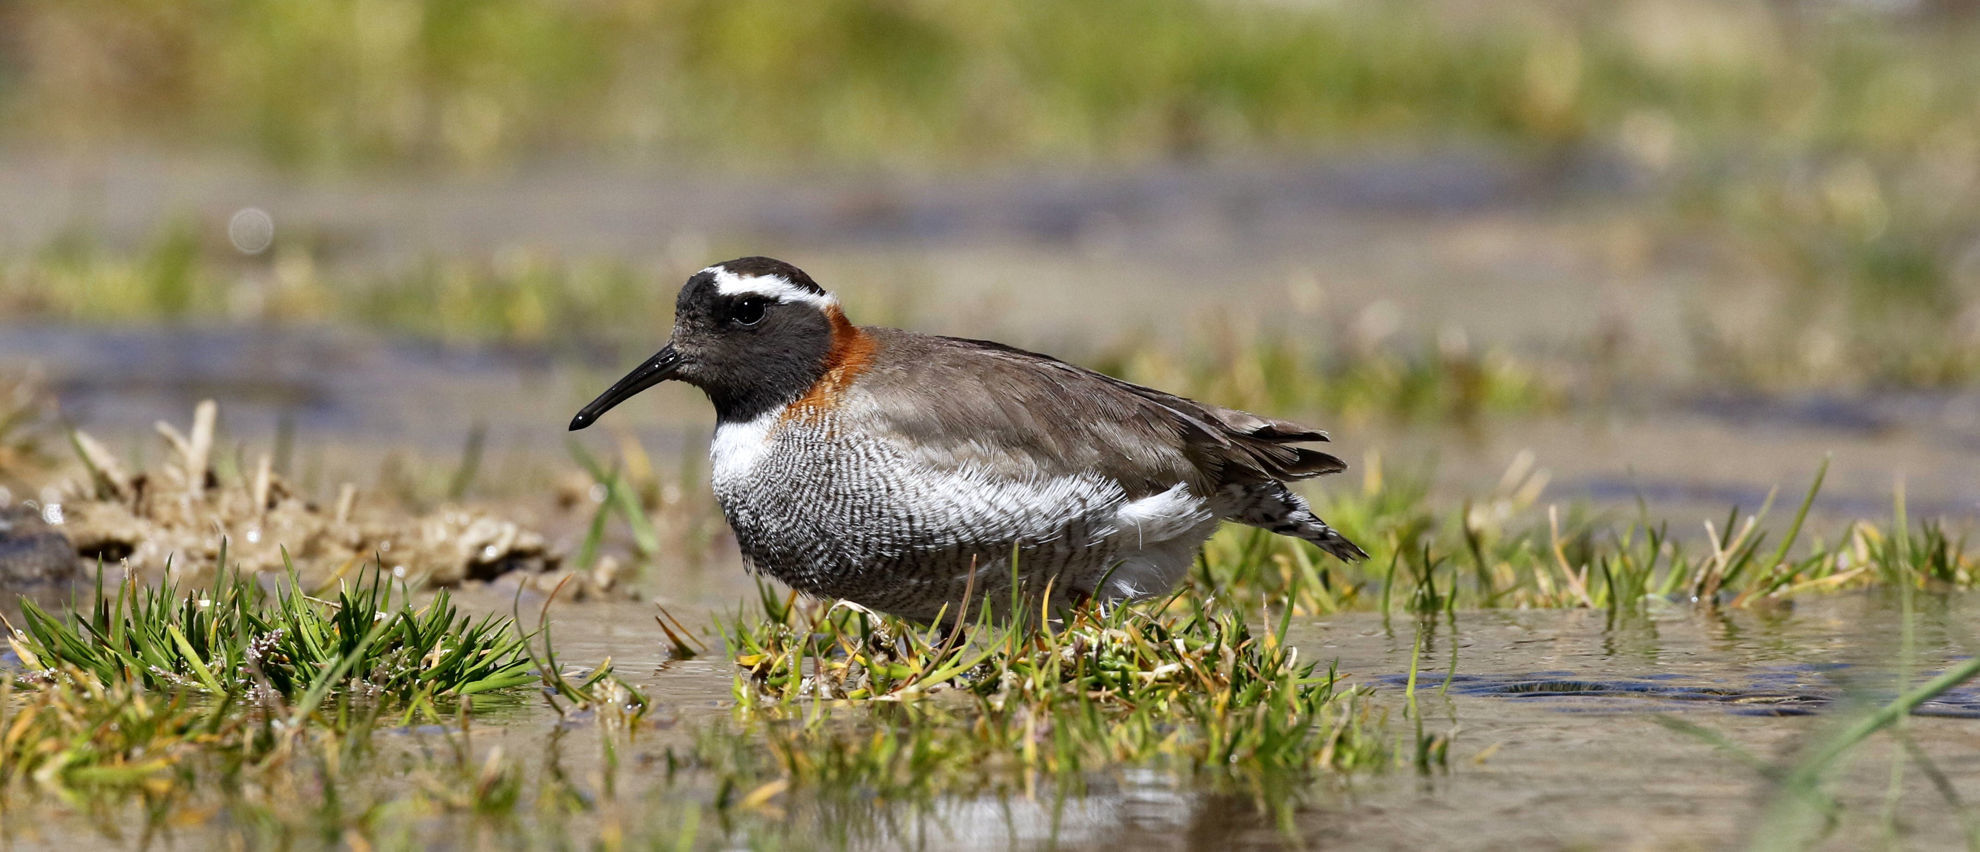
column 1035, row 415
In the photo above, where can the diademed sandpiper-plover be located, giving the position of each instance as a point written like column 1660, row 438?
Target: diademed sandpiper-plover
column 884, row 467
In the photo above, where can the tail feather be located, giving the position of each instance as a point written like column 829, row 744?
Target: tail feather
column 1272, row 506
column 1329, row 539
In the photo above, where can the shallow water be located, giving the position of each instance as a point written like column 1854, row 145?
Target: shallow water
column 1555, row 717
column 1557, row 740
column 1558, row 743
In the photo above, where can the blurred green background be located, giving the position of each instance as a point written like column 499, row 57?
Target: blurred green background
column 1562, row 278
column 1427, row 211
column 1841, row 139
column 348, row 84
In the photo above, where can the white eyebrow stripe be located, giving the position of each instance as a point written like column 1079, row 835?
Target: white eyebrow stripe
column 768, row 286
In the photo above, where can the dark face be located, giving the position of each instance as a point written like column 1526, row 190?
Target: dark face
column 751, row 333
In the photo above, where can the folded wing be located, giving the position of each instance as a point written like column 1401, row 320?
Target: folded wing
column 1027, row 415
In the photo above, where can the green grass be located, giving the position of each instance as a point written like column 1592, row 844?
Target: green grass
column 269, row 706
column 854, row 80
column 144, row 704
column 1500, row 550
column 1286, row 371
column 237, row 639
column 1503, row 548
column 837, row 704
column 1828, row 150
column 1506, row 548
column 520, row 298
column 1863, row 260
column 266, row 711
column 1802, row 325
column 124, row 760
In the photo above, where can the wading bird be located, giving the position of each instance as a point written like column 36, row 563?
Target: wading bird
column 906, row 472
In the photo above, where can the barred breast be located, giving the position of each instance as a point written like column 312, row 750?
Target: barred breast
column 836, row 510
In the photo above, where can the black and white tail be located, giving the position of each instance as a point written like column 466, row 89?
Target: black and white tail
column 1272, row 506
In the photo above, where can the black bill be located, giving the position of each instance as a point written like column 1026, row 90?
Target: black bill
column 655, row 370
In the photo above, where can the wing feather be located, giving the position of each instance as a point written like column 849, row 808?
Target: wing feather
column 1033, row 415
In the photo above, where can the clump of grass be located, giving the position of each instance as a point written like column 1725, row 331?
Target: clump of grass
column 79, row 733
column 795, row 651
column 844, row 701
column 93, row 742
column 162, row 518
column 266, row 708
column 1493, row 552
column 236, row 638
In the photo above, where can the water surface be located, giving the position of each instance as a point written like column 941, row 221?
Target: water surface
column 1557, row 739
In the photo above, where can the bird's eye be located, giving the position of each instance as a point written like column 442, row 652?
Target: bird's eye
column 749, row 311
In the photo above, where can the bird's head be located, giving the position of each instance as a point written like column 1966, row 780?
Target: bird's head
column 753, row 333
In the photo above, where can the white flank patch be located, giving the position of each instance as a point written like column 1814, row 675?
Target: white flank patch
column 1033, row 510
column 768, row 286
column 1157, row 536
column 1043, row 509
column 1161, row 517
column 738, row 447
